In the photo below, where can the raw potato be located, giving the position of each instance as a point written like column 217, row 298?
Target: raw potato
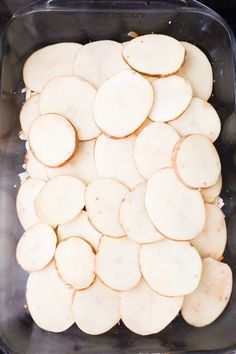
column 211, row 193
column 117, row 263
column 154, row 54
column 35, row 168
column 153, row 148
column 102, row 202
column 142, row 126
column 177, row 211
column 123, row 103
column 97, row 309
column 29, row 112
column 172, row 96
column 75, row 262
column 209, row 300
column 52, row 139
column 36, row 247
column 134, row 218
column 145, row 312
column 114, row 159
column 49, row 300
column 60, row 200
column 48, row 62
column 73, row 98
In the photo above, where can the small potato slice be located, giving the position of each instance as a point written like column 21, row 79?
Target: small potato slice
column 60, row 200
column 123, row 103
column 98, row 61
column 102, row 202
column 196, row 161
column 36, row 247
column 201, row 118
column 49, row 300
column 117, row 263
column 171, row 268
column 114, row 159
column 154, row 54
column 212, row 239
column 153, row 148
column 172, row 96
column 35, row 168
column 145, row 312
column 211, row 193
column 209, row 300
column 52, row 139
column 73, row 98
column 177, row 211
column 134, row 218
column 96, row 309
column 75, row 262
column 197, row 69
column 48, row 62
column 29, row 112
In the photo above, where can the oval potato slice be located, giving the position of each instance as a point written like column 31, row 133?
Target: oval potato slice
column 35, row 168
column 29, row 112
column 211, row 193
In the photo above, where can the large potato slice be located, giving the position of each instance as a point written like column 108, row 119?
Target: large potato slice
column 29, row 112
column 35, row 168
column 211, row 193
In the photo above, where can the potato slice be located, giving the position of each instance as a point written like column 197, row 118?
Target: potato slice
column 102, row 202
column 142, row 126
column 123, row 103
column 96, row 309
column 35, row 168
column 48, row 62
column 196, row 161
column 75, row 262
column 98, row 61
column 117, row 263
column 177, row 211
column 134, row 218
column 119, row 153
column 197, row 69
column 29, row 112
column 73, row 98
column 49, row 300
column 172, row 96
column 211, row 193
column 209, row 300
column 60, row 200
column 154, row 54
column 153, row 148
column 36, row 247
column 145, row 312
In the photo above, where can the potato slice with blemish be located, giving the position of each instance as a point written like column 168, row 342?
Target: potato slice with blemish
column 29, row 112
column 211, row 193
column 35, row 168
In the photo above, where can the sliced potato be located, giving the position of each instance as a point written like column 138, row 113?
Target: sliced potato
column 142, row 126
column 29, row 112
column 211, row 193
column 35, row 168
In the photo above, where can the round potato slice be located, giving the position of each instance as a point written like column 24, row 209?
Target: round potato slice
column 49, row 300
column 177, row 211
column 60, row 200
column 153, row 148
column 154, row 54
column 114, row 159
column 48, row 62
column 35, row 168
column 209, row 300
column 172, row 96
column 134, row 218
column 123, row 103
column 96, row 309
column 73, row 98
column 211, row 193
column 145, row 312
column 29, row 112
column 36, row 247
column 102, row 202
column 196, row 161
column 117, row 263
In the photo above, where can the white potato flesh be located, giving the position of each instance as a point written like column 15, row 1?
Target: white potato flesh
column 122, row 103
column 29, row 112
column 209, row 300
column 146, row 312
column 98, row 61
column 117, row 263
column 60, row 200
column 134, row 218
column 96, row 309
column 35, row 168
column 153, row 148
column 172, row 96
column 73, row 98
column 49, row 300
column 114, row 159
column 211, row 193
column 102, row 202
column 48, row 62
column 36, row 247
column 154, row 54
